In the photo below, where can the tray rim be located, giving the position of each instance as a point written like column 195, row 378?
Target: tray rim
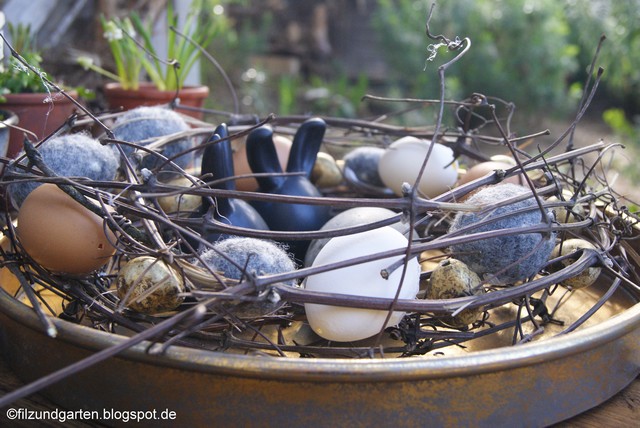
column 392, row 369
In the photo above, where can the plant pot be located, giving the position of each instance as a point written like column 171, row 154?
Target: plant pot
column 148, row 95
column 37, row 115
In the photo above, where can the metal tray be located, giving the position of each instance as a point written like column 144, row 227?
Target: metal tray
column 534, row 384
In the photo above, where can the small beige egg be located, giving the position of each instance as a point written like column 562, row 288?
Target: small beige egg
column 182, row 203
column 326, row 172
column 452, row 279
column 505, row 159
column 149, row 285
column 568, row 214
column 587, row 276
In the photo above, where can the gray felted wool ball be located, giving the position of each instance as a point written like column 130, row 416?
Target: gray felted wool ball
column 519, row 255
column 144, row 123
column 73, row 155
column 364, row 161
column 264, row 257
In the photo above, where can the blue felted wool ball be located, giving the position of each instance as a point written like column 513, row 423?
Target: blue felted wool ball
column 364, row 161
column 145, row 123
column 73, row 155
column 521, row 255
column 261, row 257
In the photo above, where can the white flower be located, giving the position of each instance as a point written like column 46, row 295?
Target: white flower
column 85, row 61
column 112, row 32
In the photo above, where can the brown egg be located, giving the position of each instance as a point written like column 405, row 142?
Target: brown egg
column 62, row 235
column 484, row 168
column 241, row 165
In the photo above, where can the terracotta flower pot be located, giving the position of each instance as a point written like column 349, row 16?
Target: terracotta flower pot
column 37, row 115
column 148, row 95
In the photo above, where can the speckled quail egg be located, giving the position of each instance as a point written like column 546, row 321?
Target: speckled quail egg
column 587, row 276
column 452, row 279
column 150, row 285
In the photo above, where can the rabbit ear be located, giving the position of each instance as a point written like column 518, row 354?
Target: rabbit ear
column 217, row 162
column 217, row 158
column 263, row 157
column 306, row 145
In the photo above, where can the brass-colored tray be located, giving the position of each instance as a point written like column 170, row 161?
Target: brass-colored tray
column 533, row 384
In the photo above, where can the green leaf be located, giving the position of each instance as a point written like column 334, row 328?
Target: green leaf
column 617, row 120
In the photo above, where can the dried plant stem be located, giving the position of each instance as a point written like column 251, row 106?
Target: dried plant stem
column 49, row 326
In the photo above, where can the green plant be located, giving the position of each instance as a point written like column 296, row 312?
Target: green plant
column 520, row 50
column 240, row 43
column 340, row 96
column 287, row 88
column 621, row 126
column 130, row 40
column 292, row 94
column 618, row 21
column 125, row 52
column 14, row 76
column 626, row 132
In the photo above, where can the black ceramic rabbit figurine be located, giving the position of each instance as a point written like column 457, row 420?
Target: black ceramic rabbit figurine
column 217, row 164
column 262, row 157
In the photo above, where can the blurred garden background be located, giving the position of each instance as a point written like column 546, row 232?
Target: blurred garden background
column 321, row 56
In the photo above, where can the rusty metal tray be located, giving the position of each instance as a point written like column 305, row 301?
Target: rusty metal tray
column 533, row 384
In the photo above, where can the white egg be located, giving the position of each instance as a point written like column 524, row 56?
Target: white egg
column 402, row 161
column 352, row 217
column 341, row 323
